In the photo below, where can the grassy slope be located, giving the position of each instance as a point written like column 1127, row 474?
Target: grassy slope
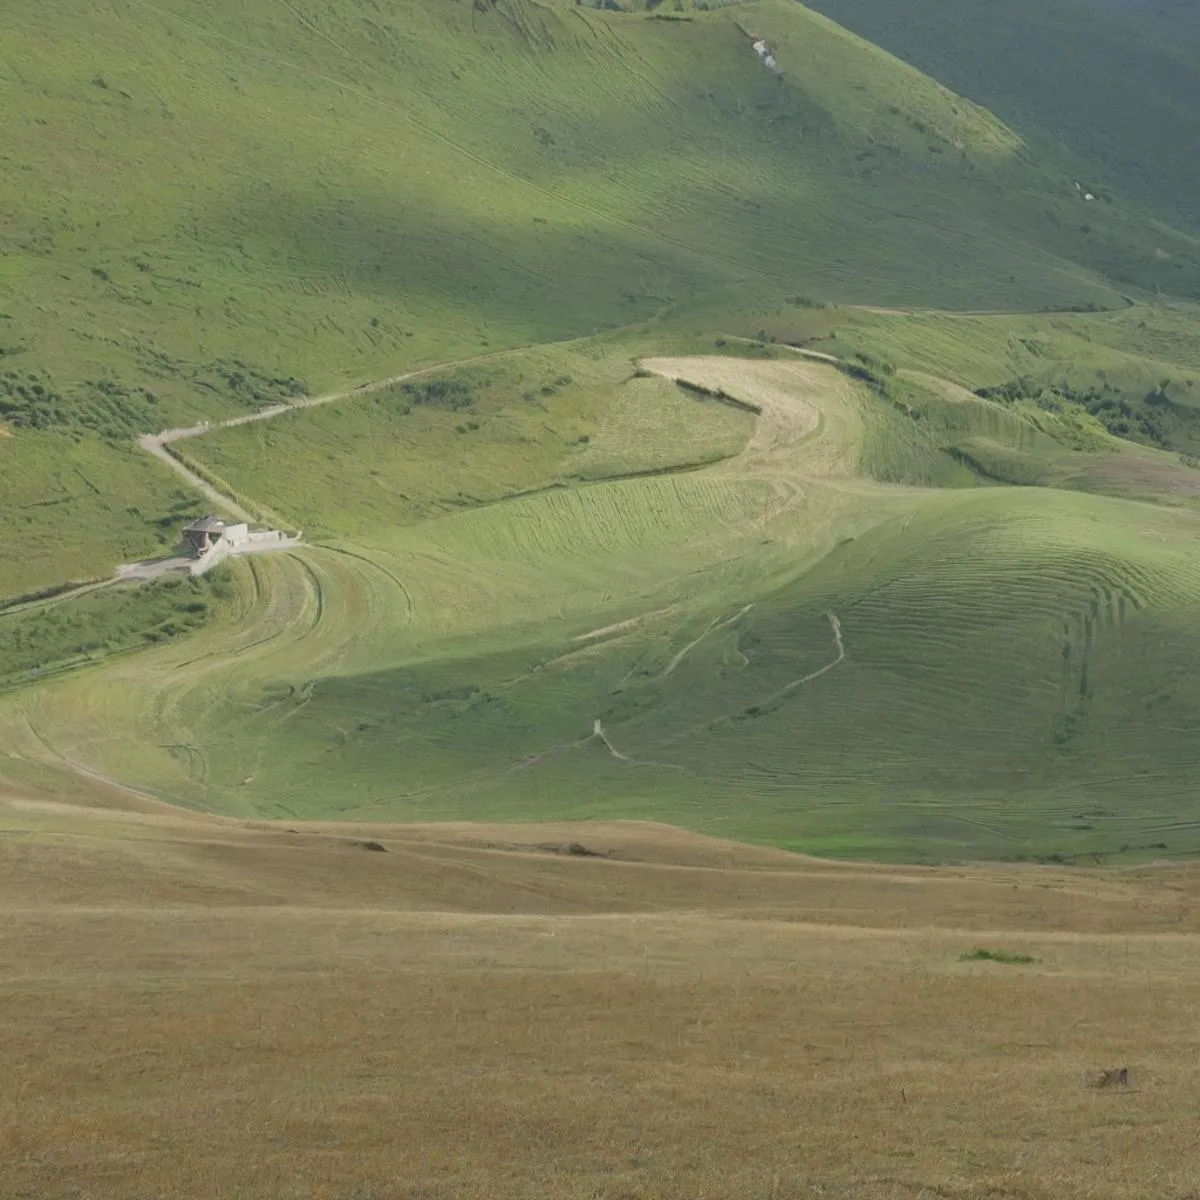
column 76, row 507
column 57, row 636
column 1018, row 675
column 516, row 424
column 313, row 195
column 1137, row 370
column 1116, row 85
column 1015, row 678
column 328, row 193
column 203, row 210
column 428, row 660
column 1174, row 18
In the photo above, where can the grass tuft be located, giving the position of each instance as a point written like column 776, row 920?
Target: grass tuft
column 979, row 954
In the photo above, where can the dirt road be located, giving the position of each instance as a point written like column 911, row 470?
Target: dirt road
column 156, row 444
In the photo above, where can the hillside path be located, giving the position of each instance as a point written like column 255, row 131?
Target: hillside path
column 782, row 420
column 156, row 443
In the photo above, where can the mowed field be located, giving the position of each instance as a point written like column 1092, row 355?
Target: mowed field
column 203, row 1008
column 820, row 623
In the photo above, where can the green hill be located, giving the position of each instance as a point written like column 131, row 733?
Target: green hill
column 319, row 195
column 800, row 641
column 612, row 542
column 203, row 212
column 1113, row 84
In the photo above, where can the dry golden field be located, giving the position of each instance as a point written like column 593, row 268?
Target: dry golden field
column 196, row 1007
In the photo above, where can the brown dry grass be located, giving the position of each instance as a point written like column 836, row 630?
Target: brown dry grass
column 201, row 1008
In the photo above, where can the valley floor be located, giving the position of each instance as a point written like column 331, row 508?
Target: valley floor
column 205, row 1008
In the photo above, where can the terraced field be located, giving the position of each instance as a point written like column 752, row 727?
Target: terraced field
column 773, row 645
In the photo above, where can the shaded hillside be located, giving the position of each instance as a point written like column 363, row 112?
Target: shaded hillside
column 1114, row 83
column 210, row 202
column 1174, row 18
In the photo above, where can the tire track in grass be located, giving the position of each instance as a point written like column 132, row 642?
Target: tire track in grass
column 408, row 600
column 77, row 768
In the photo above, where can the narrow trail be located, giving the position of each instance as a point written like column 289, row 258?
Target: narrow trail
column 820, row 355
column 712, row 628
column 302, row 402
column 25, row 606
column 598, row 731
column 126, row 573
column 156, row 443
column 147, row 800
column 840, row 645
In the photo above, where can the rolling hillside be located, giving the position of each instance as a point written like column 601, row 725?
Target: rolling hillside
column 843, row 636
column 322, row 195
column 202, row 212
column 726, row 444
column 792, row 453
column 1115, row 84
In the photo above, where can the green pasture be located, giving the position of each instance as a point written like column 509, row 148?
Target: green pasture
column 76, row 506
column 781, row 646
column 617, row 548
column 212, row 205
column 45, row 639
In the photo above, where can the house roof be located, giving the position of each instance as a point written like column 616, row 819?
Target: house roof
column 208, row 524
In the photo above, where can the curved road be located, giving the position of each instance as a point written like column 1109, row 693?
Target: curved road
column 157, row 443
